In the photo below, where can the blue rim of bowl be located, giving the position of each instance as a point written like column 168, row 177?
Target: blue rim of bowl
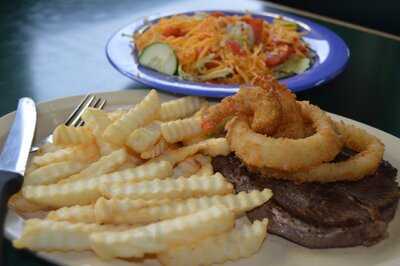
column 317, row 75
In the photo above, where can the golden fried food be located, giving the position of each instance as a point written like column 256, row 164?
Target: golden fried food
column 180, row 108
column 74, row 214
column 64, row 135
column 80, row 153
column 366, row 161
column 153, row 165
column 156, row 150
column 291, row 124
column 52, row 173
column 142, row 139
column 117, row 211
column 191, row 165
column 238, row 243
column 158, row 237
column 143, row 113
column 171, row 188
column 81, row 192
column 178, row 130
column 211, row 146
column 104, row 165
column 45, row 235
column 283, row 153
column 20, row 204
column 261, row 107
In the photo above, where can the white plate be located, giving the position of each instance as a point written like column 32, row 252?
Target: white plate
column 275, row 250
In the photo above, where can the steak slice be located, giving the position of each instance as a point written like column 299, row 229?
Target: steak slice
column 319, row 215
column 285, row 225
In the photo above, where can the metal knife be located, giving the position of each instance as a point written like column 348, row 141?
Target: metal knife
column 14, row 157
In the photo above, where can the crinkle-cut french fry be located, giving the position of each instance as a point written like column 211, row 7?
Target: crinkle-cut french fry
column 179, row 188
column 106, row 147
column 135, row 159
column 212, row 147
column 72, row 135
column 199, row 137
column 180, row 108
column 21, row 205
column 215, row 147
column 114, row 211
column 195, row 139
column 143, row 138
column 191, row 166
column 46, row 235
column 52, row 173
column 206, row 169
column 202, row 159
column 81, row 192
column 104, row 165
column 118, row 211
column 31, row 167
column 97, row 120
column 155, row 150
column 176, row 155
column 158, row 237
column 178, row 130
column 238, row 243
column 82, row 153
column 86, row 191
column 74, row 214
column 50, row 147
column 117, row 114
column 202, row 109
column 130, row 163
column 148, row 171
column 100, row 212
column 142, row 113
column 186, row 168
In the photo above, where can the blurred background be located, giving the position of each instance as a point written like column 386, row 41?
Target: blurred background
column 383, row 15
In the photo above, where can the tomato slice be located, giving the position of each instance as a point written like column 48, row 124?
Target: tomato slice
column 217, row 14
column 235, row 47
column 173, row 31
column 257, row 26
column 210, row 65
column 279, row 55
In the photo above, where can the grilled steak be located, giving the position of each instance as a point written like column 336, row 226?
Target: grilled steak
column 315, row 215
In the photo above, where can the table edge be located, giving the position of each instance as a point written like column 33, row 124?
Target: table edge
column 334, row 21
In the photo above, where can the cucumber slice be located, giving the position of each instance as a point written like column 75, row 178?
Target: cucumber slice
column 160, row 57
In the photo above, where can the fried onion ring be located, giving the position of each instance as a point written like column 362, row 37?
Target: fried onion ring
column 262, row 108
column 355, row 168
column 285, row 154
column 291, row 124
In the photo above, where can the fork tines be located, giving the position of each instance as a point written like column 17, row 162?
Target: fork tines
column 75, row 119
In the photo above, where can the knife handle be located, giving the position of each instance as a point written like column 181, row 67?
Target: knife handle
column 10, row 183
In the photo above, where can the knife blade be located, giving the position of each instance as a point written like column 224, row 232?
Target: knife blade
column 15, row 152
column 14, row 157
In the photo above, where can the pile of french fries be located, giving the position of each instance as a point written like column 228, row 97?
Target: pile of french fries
column 135, row 182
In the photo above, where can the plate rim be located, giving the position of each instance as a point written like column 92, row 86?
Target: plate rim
column 338, row 58
column 127, row 95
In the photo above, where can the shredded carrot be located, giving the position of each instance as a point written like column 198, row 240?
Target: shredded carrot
column 207, row 39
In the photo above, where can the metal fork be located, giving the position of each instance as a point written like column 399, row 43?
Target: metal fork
column 75, row 118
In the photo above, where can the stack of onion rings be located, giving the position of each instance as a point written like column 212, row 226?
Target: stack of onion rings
column 285, row 154
column 370, row 152
column 261, row 107
column 282, row 138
